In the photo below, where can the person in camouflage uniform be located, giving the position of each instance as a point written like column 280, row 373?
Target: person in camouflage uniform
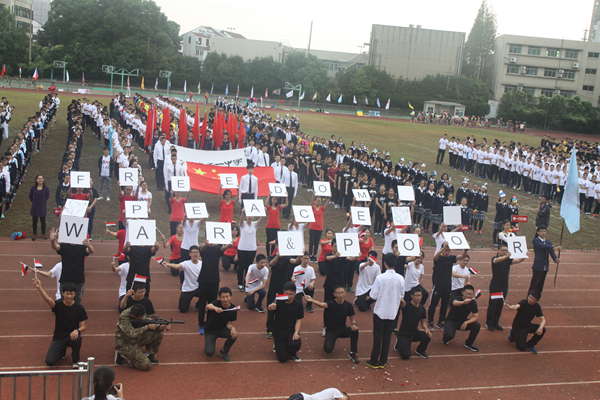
column 129, row 340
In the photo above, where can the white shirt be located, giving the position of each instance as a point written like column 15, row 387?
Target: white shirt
column 190, row 234
column 285, row 179
column 247, row 236
column 388, row 289
column 388, row 239
column 262, row 160
column 246, row 185
column 366, row 278
column 459, row 283
column 412, row 275
column 105, row 166
column 327, row 394
column 443, row 144
column 439, row 241
column 303, row 281
column 55, row 273
column 123, row 274
column 168, row 171
column 161, row 152
column 253, row 272
column 145, row 197
column 190, row 275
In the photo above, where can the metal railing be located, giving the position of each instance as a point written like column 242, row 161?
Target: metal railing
column 78, row 390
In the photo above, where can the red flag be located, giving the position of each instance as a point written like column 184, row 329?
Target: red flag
column 196, row 126
column 165, row 126
column 183, row 127
column 149, row 128
column 205, row 178
column 203, row 130
column 241, row 136
column 218, row 130
column 3, row 70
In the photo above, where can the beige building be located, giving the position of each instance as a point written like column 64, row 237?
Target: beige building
column 197, row 42
column 249, row 49
column 22, row 10
column 413, row 52
column 545, row 66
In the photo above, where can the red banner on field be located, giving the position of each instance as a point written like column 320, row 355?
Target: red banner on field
column 206, row 178
column 519, row 218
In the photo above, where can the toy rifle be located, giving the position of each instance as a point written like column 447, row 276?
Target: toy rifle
column 154, row 319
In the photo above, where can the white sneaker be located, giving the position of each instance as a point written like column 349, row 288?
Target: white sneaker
column 100, row 198
column 108, row 199
column 324, row 333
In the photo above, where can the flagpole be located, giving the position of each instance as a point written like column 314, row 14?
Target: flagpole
column 560, row 245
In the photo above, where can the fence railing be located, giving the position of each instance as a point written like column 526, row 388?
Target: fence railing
column 24, row 381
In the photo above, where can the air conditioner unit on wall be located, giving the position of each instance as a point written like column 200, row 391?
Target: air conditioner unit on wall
column 561, row 71
column 521, row 88
column 523, row 69
column 557, row 91
column 513, row 60
column 560, row 75
column 575, row 65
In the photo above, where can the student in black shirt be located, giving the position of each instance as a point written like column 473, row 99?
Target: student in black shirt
column 219, row 316
column 335, row 315
column 442, row 284
column 527, row 310
column 69, row 322
column 499, row 284
column 136, row 295
column 288, row 316
column 458, row 318
column 413, row 316
column 282, row 268
column 139, row 262
column 208, row 278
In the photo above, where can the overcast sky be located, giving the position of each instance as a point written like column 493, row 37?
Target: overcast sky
column 341, row 26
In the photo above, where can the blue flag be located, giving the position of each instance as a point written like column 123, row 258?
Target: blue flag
column 226, row 89
column 340, row 99
column 212, row 87
column 569, row 207
column 378, row 105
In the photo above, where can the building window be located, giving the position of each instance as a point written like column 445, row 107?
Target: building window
column 515, row 48
column 569, row 75
column 591, row 71
column 548, row 92
column 531, row 71
column 550, row 73
column 571, row 54
column 593, row 55
column 529, row 90
column 588, row 88
column 21, row 12
column 566, row 93
column 197, row 52
column 201, row 53
column 509, row 89
column 552, row 53
column 207, row 42
column 534, row 51
column 512, row 69
column 189, row 39
column 23, row 25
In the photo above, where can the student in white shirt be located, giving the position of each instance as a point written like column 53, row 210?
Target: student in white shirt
column 304, row 277
column 413, row 273
column 367, row 273
column 442, row 149
column 122, row 270
column 460, row 277
column 54, row 273
column 246, row 246
column 191, row 270
column 248, row 185
column 255, row 282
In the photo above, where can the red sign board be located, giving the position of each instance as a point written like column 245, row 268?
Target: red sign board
column 464, row 228
column 519, row 218
column 57, row 211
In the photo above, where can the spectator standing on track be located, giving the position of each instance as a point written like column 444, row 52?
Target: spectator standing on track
column 219, row 316
column 458, row 318
column 543, row 215
column 413, row 316
column 69, row 322
column 288, row 316
column 527, row 310
column 39, row 195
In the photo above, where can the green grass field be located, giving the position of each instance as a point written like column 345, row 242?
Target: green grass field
column 414, row 142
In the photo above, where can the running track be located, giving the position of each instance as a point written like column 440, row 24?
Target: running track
column 567, row 365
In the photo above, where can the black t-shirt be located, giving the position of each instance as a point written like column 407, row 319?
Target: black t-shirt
column 281, row 273
column 144, row 301
column 500, row 273
column 67, row 318
column 461, row 313
column 139, row 262
column 210, row 264
column 443, row 271
column 286, row 315
column 381, row 197
column 526, row 313
column 335, row 272
column 396, row 262
column 215, row 321
column 390, row 202
column 336, row 314
column 73, row 263
column 411, row 317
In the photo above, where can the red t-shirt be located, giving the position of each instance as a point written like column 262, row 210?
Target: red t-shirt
column 318, row 224
column 123, row 200
column 177, row 209
column 121, row 237
column 365, row 246
column 331, row 174
column 226, row 211
column 273, row 217
column 325, row 249
column 79, row 196
column 232, row 251
column 175, row 247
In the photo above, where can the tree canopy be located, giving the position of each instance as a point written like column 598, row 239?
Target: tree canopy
column 14, row 44
column 480, row 43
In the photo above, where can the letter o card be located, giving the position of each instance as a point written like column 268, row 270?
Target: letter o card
column 452, row 215
column 406, row 193
column 142, row 232
column 277, row 190
column 303, row 214
column 80, row 179
column 347, row 244
column 128, row 176
column 196, row 210
column 254, row 208
column 136, row 209
column 517, row 247
column 456, row 240
column 218, row 232
column 408, row 244
column 290, row 243
column 229, row 181
column 180, row 183
column 360, row 215
column 72, row 230
column 322, row 188
column 361, row 194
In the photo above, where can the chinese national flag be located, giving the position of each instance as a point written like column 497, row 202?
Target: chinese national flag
column 205, row 178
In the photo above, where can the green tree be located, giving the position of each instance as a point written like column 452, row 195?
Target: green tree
column 14, row 45
column 309, row 71
column 480, row 43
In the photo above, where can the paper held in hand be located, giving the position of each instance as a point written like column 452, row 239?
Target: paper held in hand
column 322, row 188
column 456, row 240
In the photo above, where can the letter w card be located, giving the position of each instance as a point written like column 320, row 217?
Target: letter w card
column 72, row 230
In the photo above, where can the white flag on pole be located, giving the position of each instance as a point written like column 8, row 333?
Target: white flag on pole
column 328, row 97
column 252, row 92
column 354, row 100
column 68, row 76
column 185, row 85
column 387, row 106
column 302, row 97
column 156, row 84
column 198, row 87
column 366, row 100
column 289, row 94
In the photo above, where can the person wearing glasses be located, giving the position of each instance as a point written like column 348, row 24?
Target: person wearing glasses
column 413, row 316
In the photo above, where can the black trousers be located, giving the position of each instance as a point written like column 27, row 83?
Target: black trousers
column 382, row 338
column 451, row 327
column 495, row 306
column 35, row 222
column 404, row 342
column 332, row 336
column 537, row 281
column 185, row 298
column 159, row 174
column 287, row 211
column 285, row 345
column 58, row 349
column 271, row 235
column 438, row 294
column 227, row 262
column 210, row 341
column 245, row 259
column 440, row 156
column 363, row 303
column 300, row 296
column 314, row 237
column 520, row 336
column 351, row 266
column 207, row 293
